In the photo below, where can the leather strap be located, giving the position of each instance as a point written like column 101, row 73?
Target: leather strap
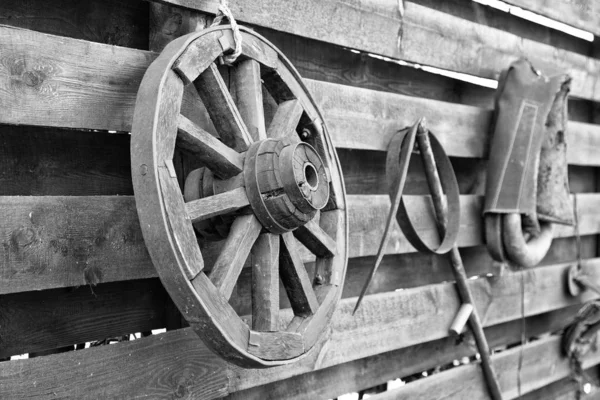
column 397, row 165
column 397, row 162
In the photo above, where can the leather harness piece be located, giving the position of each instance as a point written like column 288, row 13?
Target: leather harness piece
column 527, row 186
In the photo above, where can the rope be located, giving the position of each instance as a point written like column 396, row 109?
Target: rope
column 225, row 12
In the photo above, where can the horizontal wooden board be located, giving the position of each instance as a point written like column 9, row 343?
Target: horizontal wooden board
column 388, row 321
column 327, row 62
column 51, row 241
column 453, row 43
column 370, row 371
column 50, row 319
column 171, row 365
column 543, row 363
column 506, row 21
column 45, row 78
column 566, row 389
column 178, row 362
column 367, row 120
column 120, row 23
column 582, row 14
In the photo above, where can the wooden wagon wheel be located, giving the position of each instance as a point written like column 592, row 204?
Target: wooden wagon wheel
column 279, row 183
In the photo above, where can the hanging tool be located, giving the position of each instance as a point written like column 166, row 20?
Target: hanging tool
column 527, row 187
column 440, row 178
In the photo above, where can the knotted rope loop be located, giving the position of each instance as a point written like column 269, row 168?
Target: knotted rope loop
column 225, row 12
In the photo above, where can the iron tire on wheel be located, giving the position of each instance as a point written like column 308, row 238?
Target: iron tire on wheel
column 280, row 185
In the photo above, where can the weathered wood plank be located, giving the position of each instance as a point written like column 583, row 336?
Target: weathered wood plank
column 367, row 372
column 81, row 75
column 543, row 363
column 582, row 14
column 396, row 320
column 453, row 43
column 52, row 242
column 566, row 389
column 44, row 78
column 390, row 321
column 402, row 271
column 37, row 321
column 368, row 215
column 323, row 61
column 509, row 22
column 175, row 364
column 114, row 22
column 367, row 120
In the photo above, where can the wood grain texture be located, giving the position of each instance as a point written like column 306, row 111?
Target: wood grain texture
column 222, row 110
column 265, row 283
column 396, row 320
column 566, row 389
column 52, row 242
column 229, row 264
column 219, row 204
column 168, row 23
column 295, row 278
column 318, row 60
column 151, row 366
column 40, row 67
column 410, row 270
column 114, row 22
column 286, row 119
column 543, row 363
column 221, row 159
column 354, row 115
column 378, row 369
column 388, row 321
column 44, row 78
column 315, row 239
column 247, row 86
column 36, row 321
column 509, row 22
column 582, row 14
column 454, row 43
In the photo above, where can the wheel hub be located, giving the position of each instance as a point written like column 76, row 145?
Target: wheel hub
column 286, row 183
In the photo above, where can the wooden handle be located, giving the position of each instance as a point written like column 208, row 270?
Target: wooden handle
column 461, row 319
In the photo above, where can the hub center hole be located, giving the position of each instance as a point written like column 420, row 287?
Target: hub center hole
column 310, row 175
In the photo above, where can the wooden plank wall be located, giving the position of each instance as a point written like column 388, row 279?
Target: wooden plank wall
column 74, row 267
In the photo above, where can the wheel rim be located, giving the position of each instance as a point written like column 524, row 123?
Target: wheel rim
column 279, row 186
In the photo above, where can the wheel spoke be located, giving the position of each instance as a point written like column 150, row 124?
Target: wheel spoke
column 295, row 278
column 265, row 283
column 286, row 119
column 219, row 204
column 227, row 268
column 248, row 89
column 222, row 160
column 221, row 108
column 316, row 239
